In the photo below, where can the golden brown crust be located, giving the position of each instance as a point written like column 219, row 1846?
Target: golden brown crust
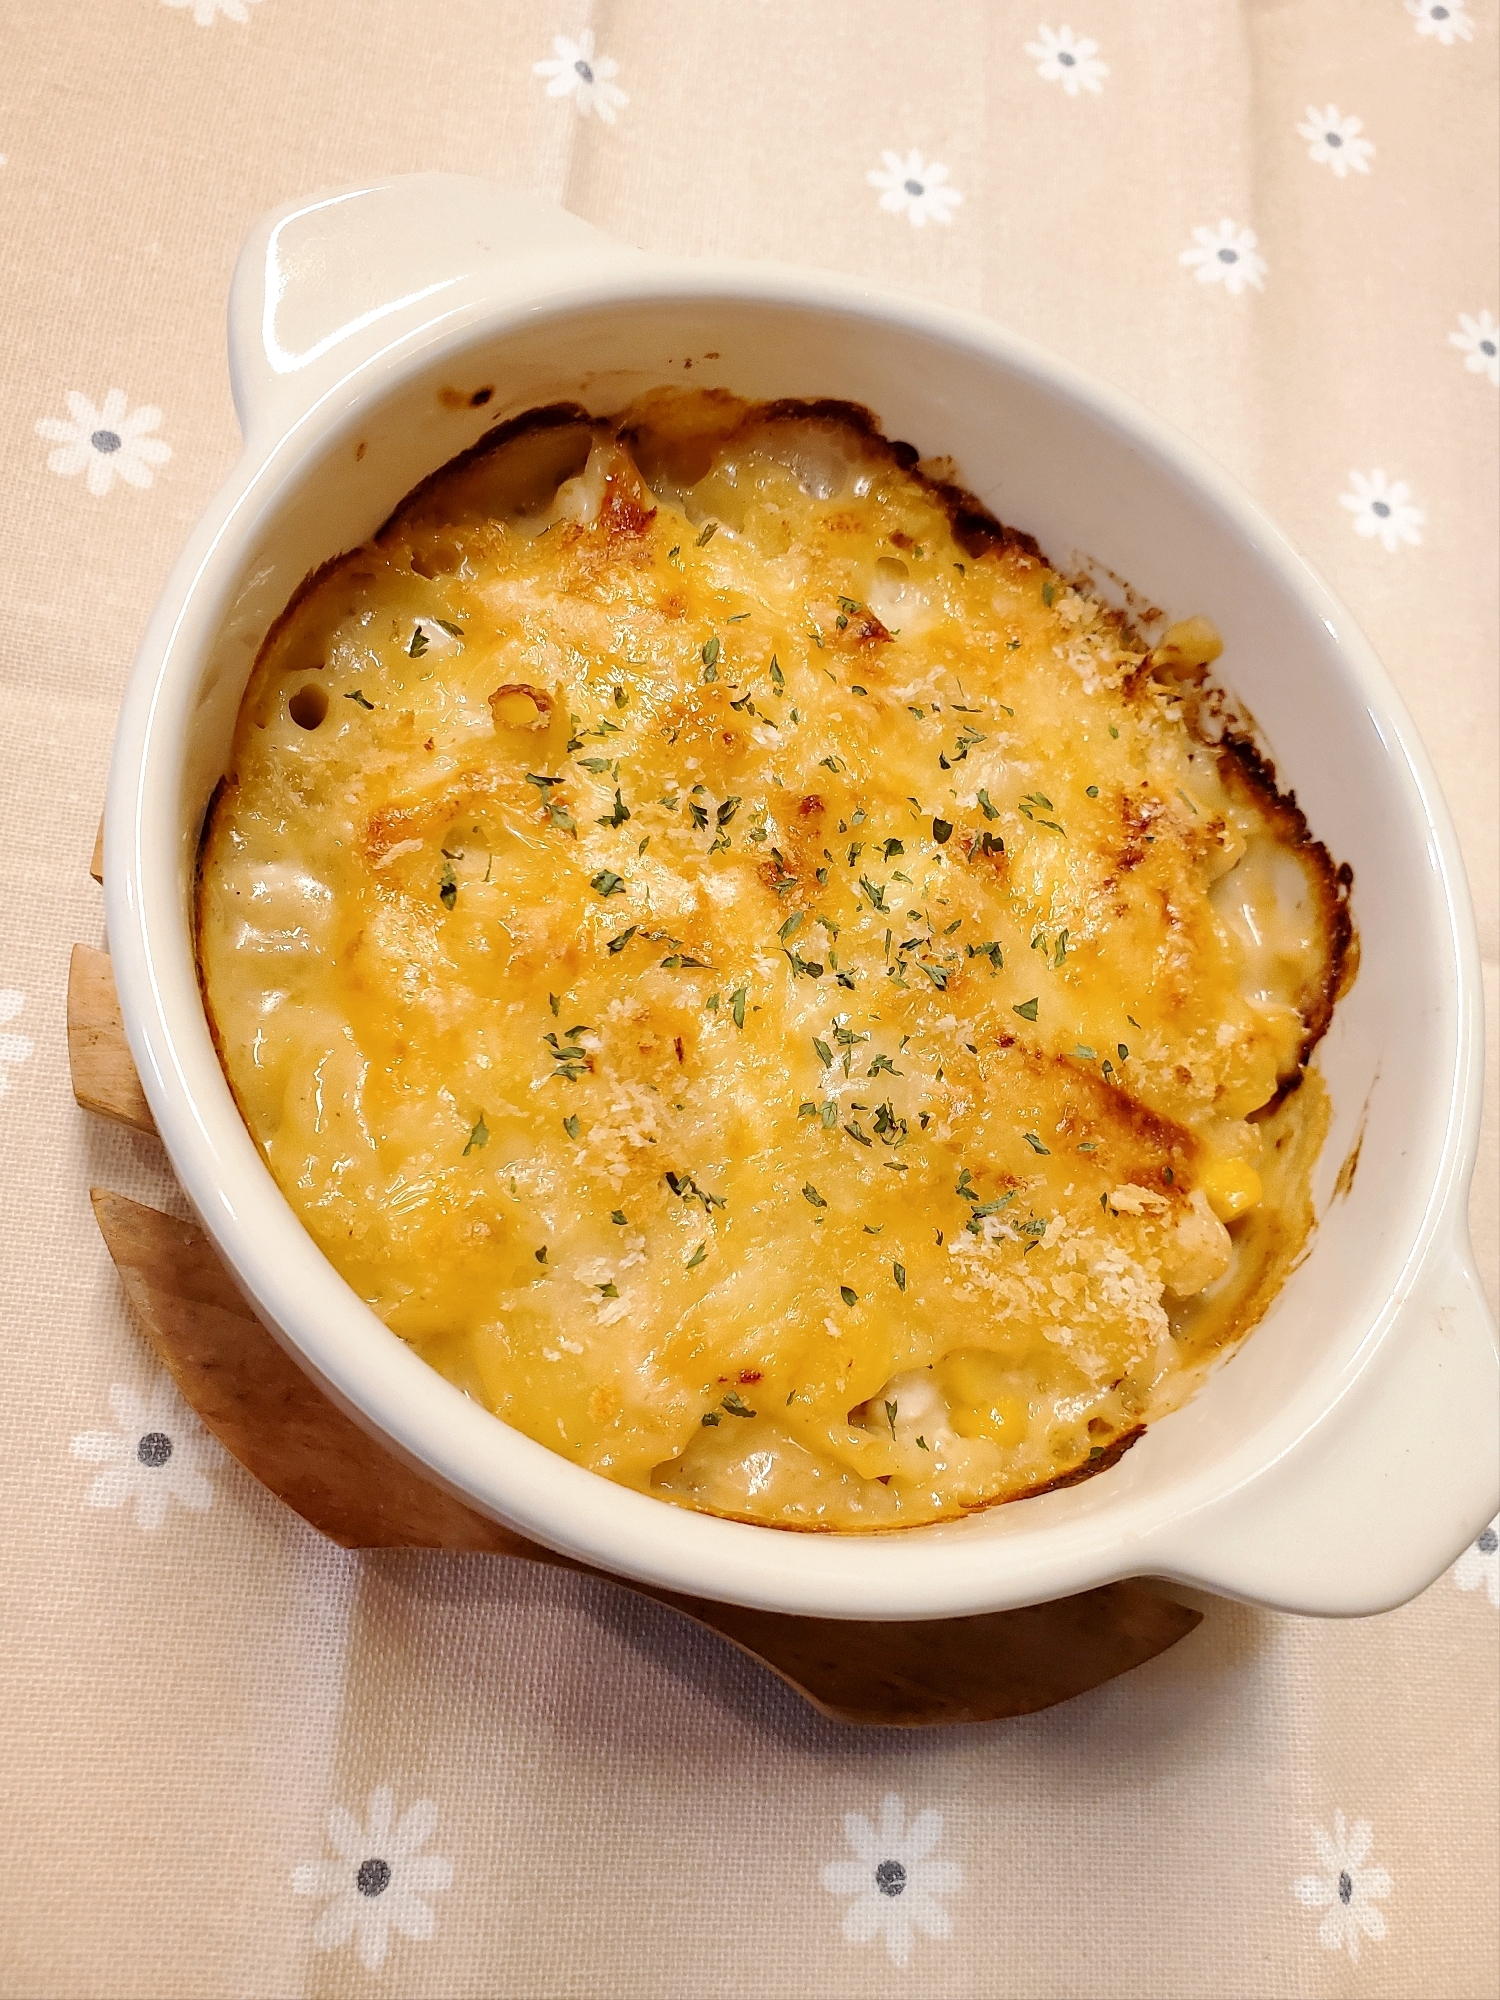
column 1100, row 1459
column 1330, row 881
column 552, row 416
column 604, row 533
column 975, row 528
column 219, row 800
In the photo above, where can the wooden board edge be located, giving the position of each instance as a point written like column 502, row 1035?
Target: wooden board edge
column 104, row 1076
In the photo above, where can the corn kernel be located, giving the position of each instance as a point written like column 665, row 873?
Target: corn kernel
column 1193, row 642
column 981, row 1397
column 1232, row 1188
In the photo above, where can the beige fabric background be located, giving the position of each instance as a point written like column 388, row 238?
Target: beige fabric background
column 625, row 1807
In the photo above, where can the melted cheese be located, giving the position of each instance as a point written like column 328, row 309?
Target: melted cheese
column 763, row 991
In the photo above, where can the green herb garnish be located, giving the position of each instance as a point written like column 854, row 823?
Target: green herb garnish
column 568, row 1056
column 686, row 1188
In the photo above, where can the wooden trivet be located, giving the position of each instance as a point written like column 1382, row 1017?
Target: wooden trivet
column 285, row 1432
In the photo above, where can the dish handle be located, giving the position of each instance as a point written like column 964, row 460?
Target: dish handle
column 326, row 284
column 1372, row 1504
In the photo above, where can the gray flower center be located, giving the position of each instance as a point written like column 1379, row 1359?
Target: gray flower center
column 105, row 441
column 1379, row 507
column 1333, row 138
column 913, row 187
column 1439, row 13
column 1229, row 256
column 587, row 74
column 1067, row 57
column 1346, row 1886
column 374, row 1877
column 1487, row 347
column 890, row 1878
column 154, row 1449
column 1488, row 1542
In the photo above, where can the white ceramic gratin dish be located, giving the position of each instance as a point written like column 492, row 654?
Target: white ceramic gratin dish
column 1347, row 1452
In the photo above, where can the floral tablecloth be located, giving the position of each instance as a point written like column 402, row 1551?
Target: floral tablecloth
column 238, row 1761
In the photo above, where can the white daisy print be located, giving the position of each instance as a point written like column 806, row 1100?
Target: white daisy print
column 1346, row 1889
column 107, row 441
column 1228, row 256
column 577, row 72
column 1071, row 60
column 1333, row 141
column 1478, row 340
column 1444, row 18
column 157, row 1453
column 380, row 1879
column 1383, row 508
column 14, row 1049
column 1480, row 1563
column 893, row 1880
column 206, row 12
column 915, row 188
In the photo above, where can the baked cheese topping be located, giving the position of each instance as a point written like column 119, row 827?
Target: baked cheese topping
column 761, row 980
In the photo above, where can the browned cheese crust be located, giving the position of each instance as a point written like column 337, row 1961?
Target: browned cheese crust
column 767, row 984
